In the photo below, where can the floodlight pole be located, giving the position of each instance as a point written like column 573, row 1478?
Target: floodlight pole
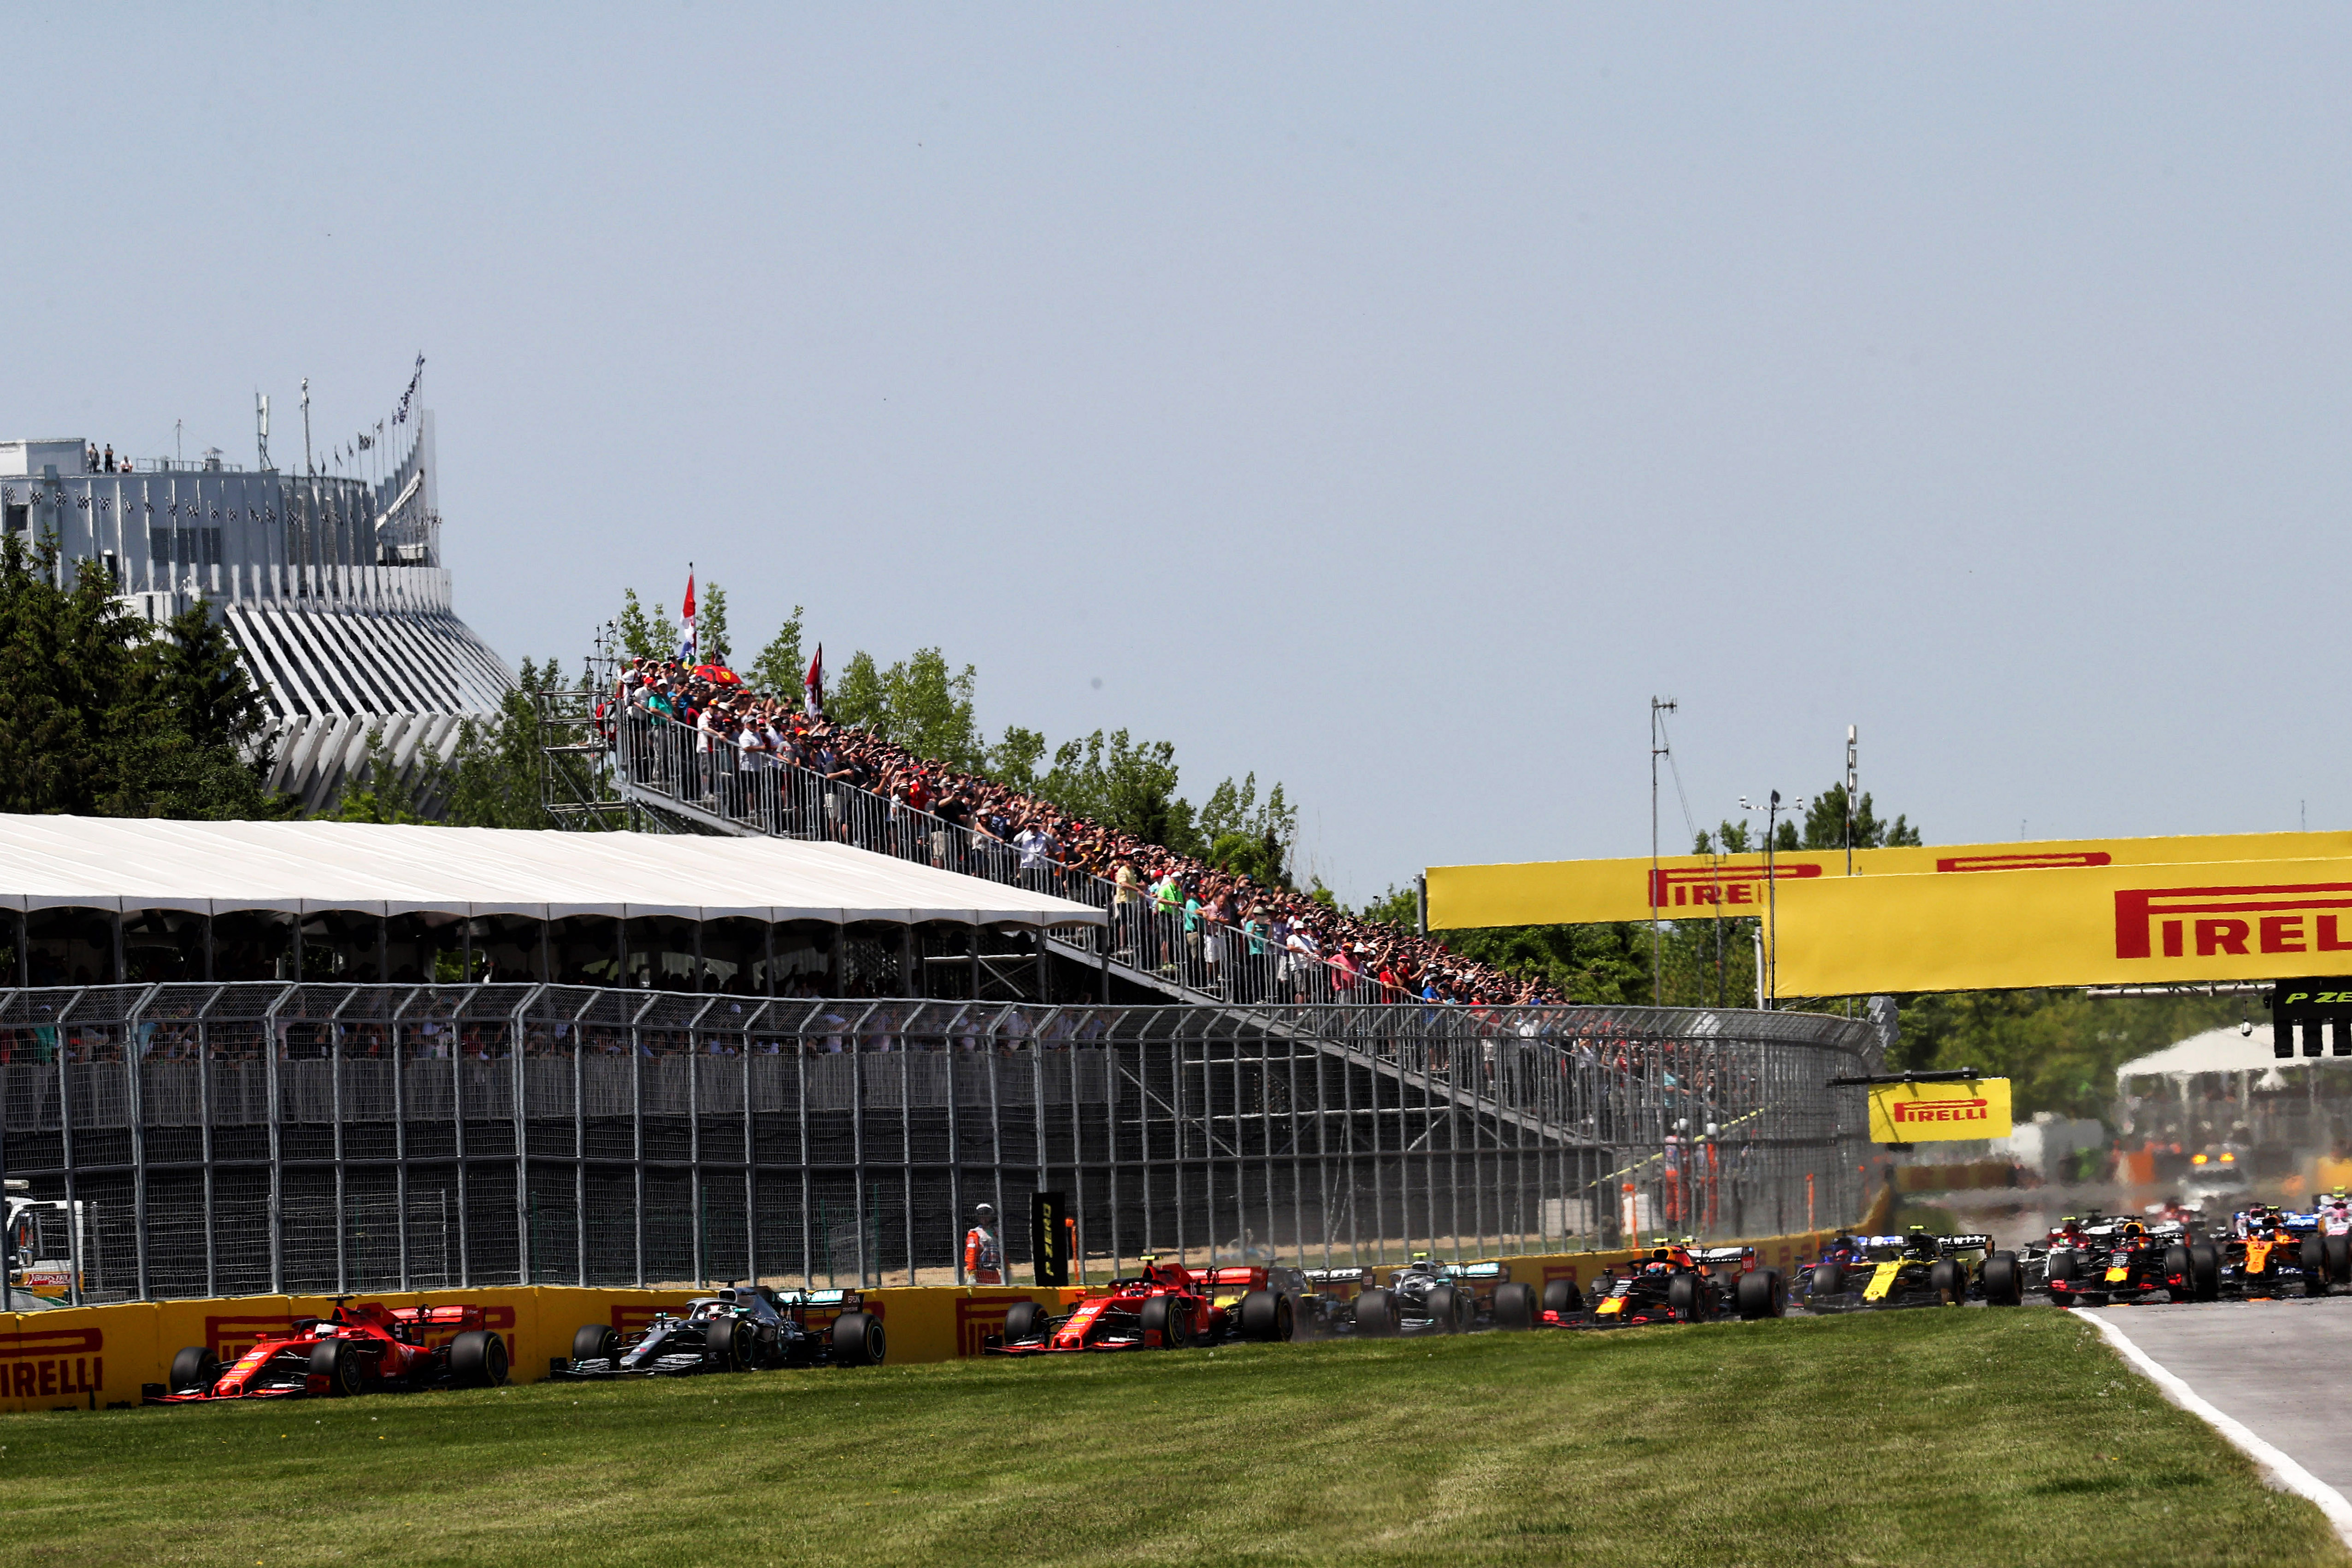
column 1657, row 750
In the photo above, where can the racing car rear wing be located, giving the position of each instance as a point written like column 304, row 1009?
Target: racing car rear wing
column 1965, row 1243
column 1705, row 1255
column 847, row 1301
column 1339, row 1276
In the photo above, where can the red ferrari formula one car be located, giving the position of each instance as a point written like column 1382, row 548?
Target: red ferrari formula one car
column 1167, row 1307
column 357, row 1350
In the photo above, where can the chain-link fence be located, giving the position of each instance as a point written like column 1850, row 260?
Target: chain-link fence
column 218, row 1138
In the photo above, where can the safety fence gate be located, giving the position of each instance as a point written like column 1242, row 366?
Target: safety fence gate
column 218, row 1139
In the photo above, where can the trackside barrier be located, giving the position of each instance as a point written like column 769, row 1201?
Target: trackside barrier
column 95, row 1358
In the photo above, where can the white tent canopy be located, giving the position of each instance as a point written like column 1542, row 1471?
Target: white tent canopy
column 2225, row 1049
column 213, row 868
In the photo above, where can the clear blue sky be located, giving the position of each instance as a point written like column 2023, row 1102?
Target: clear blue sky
column 1387, row 401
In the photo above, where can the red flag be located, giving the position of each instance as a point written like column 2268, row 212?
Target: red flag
column 812, row 701
column 688, row 611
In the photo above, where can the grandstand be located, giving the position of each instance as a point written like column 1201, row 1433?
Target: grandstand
column 332, row 588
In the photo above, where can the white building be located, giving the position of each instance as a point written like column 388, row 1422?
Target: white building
column 332, row 588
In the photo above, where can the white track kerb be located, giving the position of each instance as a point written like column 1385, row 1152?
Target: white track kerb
column 2282, row 1471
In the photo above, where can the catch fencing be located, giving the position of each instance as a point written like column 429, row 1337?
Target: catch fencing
column 220, row 1138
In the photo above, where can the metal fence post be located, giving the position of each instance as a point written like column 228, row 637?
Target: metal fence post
column 134, row 1068
column 272, row 1047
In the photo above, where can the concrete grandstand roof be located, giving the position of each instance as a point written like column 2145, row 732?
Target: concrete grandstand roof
column 111, row 863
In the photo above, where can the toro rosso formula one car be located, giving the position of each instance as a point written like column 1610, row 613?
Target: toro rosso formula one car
column 1919, row 1270
column 356, row 1350
column 1166, row 1307
column 741, row 1328
column 1675, row 1284
column 1426, row 1297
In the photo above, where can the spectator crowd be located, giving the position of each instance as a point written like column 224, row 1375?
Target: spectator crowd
column 1214, row 930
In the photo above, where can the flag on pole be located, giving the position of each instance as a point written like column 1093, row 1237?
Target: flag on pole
column 686, row 650
column 812, row 699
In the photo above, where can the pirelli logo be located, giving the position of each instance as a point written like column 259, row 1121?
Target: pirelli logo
column 1916, row 1112
column 2237, row 922
column 1718, row 885
column 2025, row 862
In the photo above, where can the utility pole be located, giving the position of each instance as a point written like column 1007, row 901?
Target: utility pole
column 1658, row 709
column 1770, row 978
column 1852, row 783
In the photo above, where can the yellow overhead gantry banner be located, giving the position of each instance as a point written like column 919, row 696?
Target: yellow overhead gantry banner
column 1692, row 886
column 2106, row 925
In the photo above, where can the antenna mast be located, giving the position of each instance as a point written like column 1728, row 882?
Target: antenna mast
column 308, row 466
column 261, row 431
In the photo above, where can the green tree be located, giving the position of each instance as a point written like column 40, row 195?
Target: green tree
column 103, row 715
column 1012, row 761
column 711, row 627
column 1247, row 836
column 1124, row 786
column 2059, row 1049
column 492, row 776
column 378, row 790
column 646, row 636
column 1608, row 964
column 918, row 704
column 780, row 667
column 1825, row 825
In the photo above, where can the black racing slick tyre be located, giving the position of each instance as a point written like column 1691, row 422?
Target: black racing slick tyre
column 2176, row 1266
column 1756, row 1294
column 1949, row 1279
column 1685, row 1298
column 2002, row 1281
column 478, row 1358
column 1825, row 1285
column 1023, row 1320
column 857, row 1340
column 2064, row 1273
column 595, row 1341
column 194, row 1367
column 2205, row 1272
column 1439, row 1305
column 1376, row 1314
column 730, row 1341
column 339, row 1363
column 2339, row 1260
column 1158, row 1316
column 1560, row 1296
column 1264, row 1315
column 1515, row 1306
column 2313, row 1255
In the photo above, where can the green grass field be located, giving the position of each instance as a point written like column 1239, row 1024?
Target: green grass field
column 1955, row 1437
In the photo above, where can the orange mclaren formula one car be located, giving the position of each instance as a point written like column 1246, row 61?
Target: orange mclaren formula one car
column 1166, row 1307
column 357, row 1350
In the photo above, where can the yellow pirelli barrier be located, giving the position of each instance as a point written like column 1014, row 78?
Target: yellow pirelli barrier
column 2108, row 925
column 97, row 1358
column 1697, row 887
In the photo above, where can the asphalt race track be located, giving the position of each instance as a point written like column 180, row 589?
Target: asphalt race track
column 2282, row 1368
